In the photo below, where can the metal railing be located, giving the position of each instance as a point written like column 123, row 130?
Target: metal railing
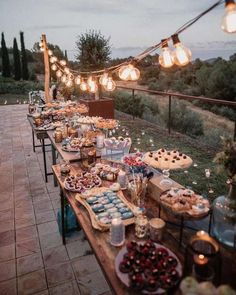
column 171, row 95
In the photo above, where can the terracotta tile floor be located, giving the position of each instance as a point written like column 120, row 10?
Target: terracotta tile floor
column 32, row 257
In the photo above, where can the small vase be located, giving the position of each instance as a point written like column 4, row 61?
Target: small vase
column 224, row 218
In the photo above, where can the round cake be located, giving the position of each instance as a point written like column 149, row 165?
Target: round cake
column 163, row 159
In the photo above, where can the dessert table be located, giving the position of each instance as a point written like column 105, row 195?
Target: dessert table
column 99, row 241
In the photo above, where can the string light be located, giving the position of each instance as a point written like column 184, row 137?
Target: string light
column 59, row 73
column 129, row 72
column 63, row 78
column 53, row 59
column 104, row 79
column 69, row 83
column 228, row 23
column 111, row 85
column 78, row 80
column 165, row 58
column 54, row 67
column 181, row 55
column 62, row 62
column 93, row 87
column 67, row 70
column 83, row 85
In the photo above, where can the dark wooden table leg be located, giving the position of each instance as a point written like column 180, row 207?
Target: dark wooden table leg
column 44, row 161
column 54, row 161
column 181, row 230
column 33, row 140
column 210, row 222
column 62, row 218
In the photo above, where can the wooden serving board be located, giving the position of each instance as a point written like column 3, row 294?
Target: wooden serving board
column 94, row 220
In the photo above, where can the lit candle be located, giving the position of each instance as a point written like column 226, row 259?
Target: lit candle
column 201, row 269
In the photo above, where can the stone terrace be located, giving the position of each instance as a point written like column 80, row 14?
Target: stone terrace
column 33, row 259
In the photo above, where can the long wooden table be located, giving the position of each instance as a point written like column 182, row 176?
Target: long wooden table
column 99, row 241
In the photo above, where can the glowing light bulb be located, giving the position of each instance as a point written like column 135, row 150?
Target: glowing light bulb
column 129, row 72
column 89, row 80
column 62, row 62
column 165, row 58
column 69, row 83
column 50, row 53
column 67, row 70
column 83, row 85
column 41, row 44
column 63, row 78
column 111, row 85
column 54, row 67
column 42, row 49
column 124, row 72
column 53, row 59
column 181, row 54
column 134, row 74
column 78, row 80
column 103, row 79
column 59, row 73
column 228, row 23
column 93, row 87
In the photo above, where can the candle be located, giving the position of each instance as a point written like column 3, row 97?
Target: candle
column 201, row 269
column 117, row 232
column 207, row 173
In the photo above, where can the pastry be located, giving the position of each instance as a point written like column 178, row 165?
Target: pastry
column 163, row 159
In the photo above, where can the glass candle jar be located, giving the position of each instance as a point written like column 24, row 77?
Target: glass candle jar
column 141, row 226
column 117, row 232
column 65, row 168
column 58, row 135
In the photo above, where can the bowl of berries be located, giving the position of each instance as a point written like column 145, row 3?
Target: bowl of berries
column 135, row 162
column 148, row 267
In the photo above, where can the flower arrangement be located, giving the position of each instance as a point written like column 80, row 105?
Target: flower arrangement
column 227, row 158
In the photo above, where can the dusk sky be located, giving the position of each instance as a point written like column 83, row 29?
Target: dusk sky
column 132, row 25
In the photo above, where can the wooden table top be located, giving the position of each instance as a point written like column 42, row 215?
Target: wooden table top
column 99, row 241
column 40, row 133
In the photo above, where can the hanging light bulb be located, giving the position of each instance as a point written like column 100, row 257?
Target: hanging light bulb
column 89, row 80
column 103, row 79
column 78, row 80
column 111, row 85
column 67, row 70
column 124, row 72
column 62, row 62
column 165, row 58
column 83, row 85
column 54, row 67
column 63, row 78
column 50, row 53
column 59, row 73
column 42, row 49
column 129, row 72
column 93, row 87
column 181, row 55
column 53, row 59
column 134, row 74
column 69, row 83
column 228, row 23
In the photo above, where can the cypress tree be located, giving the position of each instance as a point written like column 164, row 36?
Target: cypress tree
column 16, row 57
column 66, row 58
column 24, row 64
column 6, row 71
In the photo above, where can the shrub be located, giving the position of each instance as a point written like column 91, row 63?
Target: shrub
column 183, row 119
column 212, row 136
column 19, row 87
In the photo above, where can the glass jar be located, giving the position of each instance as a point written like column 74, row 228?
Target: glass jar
column 65, row 168
column 58, row 135
column 141, row 226
column 224, row 218
column 117, row 232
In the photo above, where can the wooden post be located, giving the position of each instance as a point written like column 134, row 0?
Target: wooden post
column 46, row 69
column 169, row 115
